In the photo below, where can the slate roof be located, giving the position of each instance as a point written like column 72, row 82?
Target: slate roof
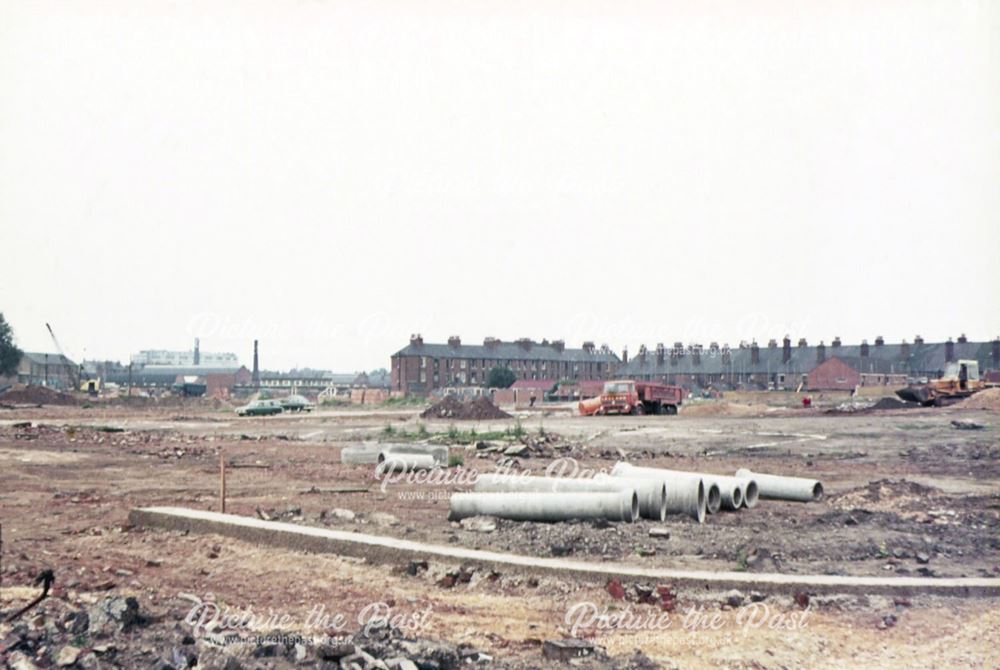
column 926, row 358
column 509, row 351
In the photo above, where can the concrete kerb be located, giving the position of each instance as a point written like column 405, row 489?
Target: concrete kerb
column 380, row 549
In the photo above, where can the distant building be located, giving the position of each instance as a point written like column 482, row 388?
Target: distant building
column 195, row 357
column 43, row 369
column 421, row 368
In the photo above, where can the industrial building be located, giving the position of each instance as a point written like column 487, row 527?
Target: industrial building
column 192, row 358
column 44, row 369
column 803, row 366
column 423, row 367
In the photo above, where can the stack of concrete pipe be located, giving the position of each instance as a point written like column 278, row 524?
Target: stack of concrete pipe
column 775, row 487
column 651, row 494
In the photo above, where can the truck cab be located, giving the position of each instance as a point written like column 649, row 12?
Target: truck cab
column 619, row 397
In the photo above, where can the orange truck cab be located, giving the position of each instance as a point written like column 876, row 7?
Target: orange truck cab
column 626, row 396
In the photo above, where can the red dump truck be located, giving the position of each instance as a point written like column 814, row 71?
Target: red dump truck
column 631, row 397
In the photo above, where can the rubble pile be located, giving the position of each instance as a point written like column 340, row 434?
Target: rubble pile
column 35, row 395
column 476, row 409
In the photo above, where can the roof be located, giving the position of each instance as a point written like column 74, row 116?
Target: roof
column 39, row 358
column 510, row 351
column 882, row 359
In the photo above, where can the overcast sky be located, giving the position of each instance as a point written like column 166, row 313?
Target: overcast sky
column 329, row 177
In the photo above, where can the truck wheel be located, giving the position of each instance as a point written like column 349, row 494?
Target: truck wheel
column 638, row 410
column 671, row 409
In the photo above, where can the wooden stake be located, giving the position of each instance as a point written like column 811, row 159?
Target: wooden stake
column 222, row 481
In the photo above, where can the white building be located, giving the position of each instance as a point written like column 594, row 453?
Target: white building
column 185, row 359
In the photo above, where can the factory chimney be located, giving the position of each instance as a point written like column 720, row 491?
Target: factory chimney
column 197, row 351
column 256, row 367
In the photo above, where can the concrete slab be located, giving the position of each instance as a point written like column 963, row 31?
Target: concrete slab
column 381, row 549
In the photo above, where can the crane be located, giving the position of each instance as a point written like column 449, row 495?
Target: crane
column 62, row 354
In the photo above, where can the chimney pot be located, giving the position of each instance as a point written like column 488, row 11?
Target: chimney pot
column 836, row 341
column 962, row 339
column 454, row 341
column 879, row 341
column 864, row 348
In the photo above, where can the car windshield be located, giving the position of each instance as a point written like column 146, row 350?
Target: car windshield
column 616, row 387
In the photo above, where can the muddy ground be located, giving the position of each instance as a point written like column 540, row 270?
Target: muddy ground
column 907, row 494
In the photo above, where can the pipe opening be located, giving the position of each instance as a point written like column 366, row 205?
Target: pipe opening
column 737, row 497
column 663, row 503
column 818, row 491
column 634, row 516
column 701, row 502
column 714, row 499
column 751, row 494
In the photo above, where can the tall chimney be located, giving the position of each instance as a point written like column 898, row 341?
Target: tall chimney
column 659, row 354
column 821, row 352
column 786, row 349
column 754, row 353
column 904, row 350
column 949, row 351
column 864, row 348
column 197, row 351
column 642, row 354
column 625, row 356
column 256, row 366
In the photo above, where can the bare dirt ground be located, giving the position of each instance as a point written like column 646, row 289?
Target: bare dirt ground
column 907, row 494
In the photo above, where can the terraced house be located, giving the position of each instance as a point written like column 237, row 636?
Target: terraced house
column 422, row 367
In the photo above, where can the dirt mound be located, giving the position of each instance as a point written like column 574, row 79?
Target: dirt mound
column 887, row 495
column 36, row 395
column 453, row 408
column 893, row 403
column 988, row 399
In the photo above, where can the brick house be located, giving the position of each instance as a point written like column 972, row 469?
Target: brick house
column 422, row 367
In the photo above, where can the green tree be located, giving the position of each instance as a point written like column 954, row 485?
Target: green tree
column 500, row 378
column 10, row 355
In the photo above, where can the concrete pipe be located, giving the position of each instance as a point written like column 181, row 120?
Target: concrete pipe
column 750, row 492
column 685, row 492
column 620, row 505
column 398, row 461
column 713, row 497
column 731, row 491
column 776, row 487
column 367, row 453
column 652, row 494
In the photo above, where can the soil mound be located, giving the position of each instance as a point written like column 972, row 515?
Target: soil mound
column 475, row 409
column 986, row 399
column 36, row 395
column 894, row 403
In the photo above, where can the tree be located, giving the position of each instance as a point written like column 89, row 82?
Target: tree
column 500, row 378
column 10, row 355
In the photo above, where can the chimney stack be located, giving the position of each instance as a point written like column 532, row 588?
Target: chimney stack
column 454, row 341
column 962, row 339
column 197, row 351
column 416, row 340
column 559, row 345
column 256, row 367
column 754, row 353
column 996, row 353
column 864, row 348
column 836, row 342
column 625, row 356
column 525, row 344
column 802, row 342
column 727, row 355
column 786, row 349
column 879, row 341
column 772, row 343
column 696, row 354
column 660, row 354
column 821, row 352
column 491, row 342
column 642, row 354
column 918, row 340
column 904, row 350
column 949, row 351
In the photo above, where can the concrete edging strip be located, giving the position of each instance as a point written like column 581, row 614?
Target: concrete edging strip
column 381, row 549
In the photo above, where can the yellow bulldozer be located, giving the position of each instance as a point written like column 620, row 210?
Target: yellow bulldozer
column 960, row 380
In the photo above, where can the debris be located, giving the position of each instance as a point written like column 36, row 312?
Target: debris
column 479, row 524
column 733, row 598
column 453, row 408
column 68, row 655
column 383, row 519
column 966, row 425
column 659, row 532
column 923, row 558
column 567, row 649
column 342, row 514
column 615, row 588
column 36, row 395
column 349, row 489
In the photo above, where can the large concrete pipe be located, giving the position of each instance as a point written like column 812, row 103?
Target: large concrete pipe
column 730, row 490
column 684, row 494
column 367, row 453
column 652, row 494
column 620, row 505
column 590, row 406
column 750, row 492
column 776, row 487
column 713, row 497
column 398, row 461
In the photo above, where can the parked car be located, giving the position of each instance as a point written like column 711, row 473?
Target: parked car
column 260, row 408
column 296, row 403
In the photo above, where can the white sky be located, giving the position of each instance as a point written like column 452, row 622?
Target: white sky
column 331, row 176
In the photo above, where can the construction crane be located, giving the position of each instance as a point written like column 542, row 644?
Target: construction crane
column 65, row 359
